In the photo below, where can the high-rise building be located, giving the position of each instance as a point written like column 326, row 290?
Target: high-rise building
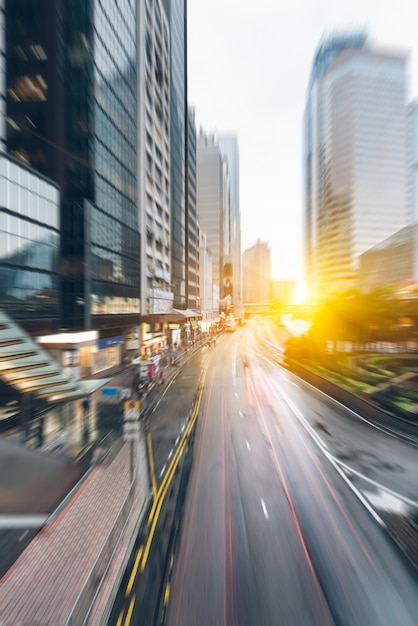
column 232, row 263
column 213, row 209
column 355, row 183
column 176, row 14
column 412, row 160
column 154, row 151
column 256, row 269
column 192, row 227
column 71, row 108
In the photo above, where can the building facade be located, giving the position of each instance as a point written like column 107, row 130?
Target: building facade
column 232, row 274
column 354, row 153
column 412, row 160
column 256, row 265
column 392, row 263
column 154, row 185
column 193, row 269
column 71, row 102
column 176, row 15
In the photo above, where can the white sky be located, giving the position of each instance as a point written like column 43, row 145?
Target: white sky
column 249, row 66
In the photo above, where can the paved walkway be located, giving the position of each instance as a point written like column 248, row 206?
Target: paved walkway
column 61, row 566
column 73, row 566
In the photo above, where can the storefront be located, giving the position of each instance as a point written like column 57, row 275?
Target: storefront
column 108, row 354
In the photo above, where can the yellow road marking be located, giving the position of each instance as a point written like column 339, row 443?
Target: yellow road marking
column 167, row 594
column 184, row 436
column 152, row 467
column 119, row 622
column 134, row 571
column 162, row 491
column 171, row 472
column 130, row 611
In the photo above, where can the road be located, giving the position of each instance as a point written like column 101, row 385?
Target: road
column 274, row 528
column 271, row 533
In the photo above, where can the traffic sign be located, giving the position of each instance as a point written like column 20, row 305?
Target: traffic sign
column 131, row 411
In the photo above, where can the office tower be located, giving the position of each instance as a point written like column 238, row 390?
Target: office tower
column 29, row 232
column 176, row 14
column 154, row 157
column 229, row 147
column 193, row 268
column 354, row 152
column 256, row 269
column 412, row 160
column 71, row 106
column 213, row 209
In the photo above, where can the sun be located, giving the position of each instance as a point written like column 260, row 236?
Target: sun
column 301, row 293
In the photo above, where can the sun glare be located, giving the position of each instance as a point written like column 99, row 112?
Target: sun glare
column 301, row 293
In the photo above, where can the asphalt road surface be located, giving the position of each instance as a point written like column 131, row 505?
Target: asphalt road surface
column 272, row 532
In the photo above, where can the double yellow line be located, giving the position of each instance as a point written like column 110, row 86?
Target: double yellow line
column 159, row 496
column 163, row 488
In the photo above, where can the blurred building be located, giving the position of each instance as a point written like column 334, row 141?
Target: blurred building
column 208, row 299
column 392, row 263
column 412, row 160
column 193, row 268
column 154, row 155
column 71, row 110
column 354, row 151
column 232, row 273
column 256, row 269
column 213, row 206
column 283, row 291
column 178, row 124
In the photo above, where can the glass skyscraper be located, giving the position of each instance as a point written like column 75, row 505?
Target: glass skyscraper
column 355, row 137
column 71, row 106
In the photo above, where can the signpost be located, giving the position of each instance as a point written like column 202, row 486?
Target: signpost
column 131, row 428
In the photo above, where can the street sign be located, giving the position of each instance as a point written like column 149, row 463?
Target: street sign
column 131, row 428
column 110, row 391
column 131, row 411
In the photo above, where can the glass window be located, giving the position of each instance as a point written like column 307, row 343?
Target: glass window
column 24, row 201
column 13, row 197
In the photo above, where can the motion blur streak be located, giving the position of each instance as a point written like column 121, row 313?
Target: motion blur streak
column 323, row 528
column 297, row 449
column 284, row 485
column 178, row 578
column 229, row 583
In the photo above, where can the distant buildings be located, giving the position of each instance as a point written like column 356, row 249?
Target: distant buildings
column 354, row 150
column 256, row 269
column 412, row 160
column 392, row 263
column 219, row 215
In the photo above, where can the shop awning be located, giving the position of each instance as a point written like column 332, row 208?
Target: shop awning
column 189, row 313
column 28, row 368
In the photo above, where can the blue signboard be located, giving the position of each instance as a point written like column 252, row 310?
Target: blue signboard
column 110, row 391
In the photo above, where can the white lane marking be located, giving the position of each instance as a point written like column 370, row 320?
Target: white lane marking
column 178, row 439
column 23, row 535
column 183, row 427
column 22, row 521
column 171, row 454
column 263, row 504
column 248, row 446
column 236, row 395
column 334, row 462
column 162, row 471
column 241, row 414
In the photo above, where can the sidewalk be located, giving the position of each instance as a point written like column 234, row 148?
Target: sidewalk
column 70, row 571
column 65, row 568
